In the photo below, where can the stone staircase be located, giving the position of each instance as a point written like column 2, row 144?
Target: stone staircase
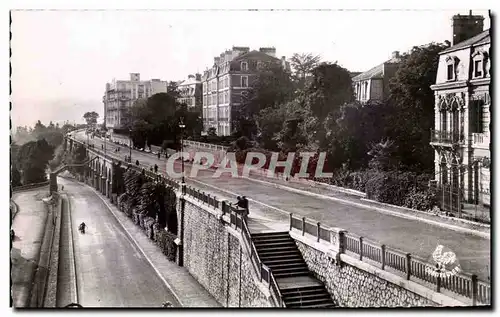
column 298, row 287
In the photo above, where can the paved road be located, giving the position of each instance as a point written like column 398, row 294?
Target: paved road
column 110, row 270
column 408, row 235
column 29, row 225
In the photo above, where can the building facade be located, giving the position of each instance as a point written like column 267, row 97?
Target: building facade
column 462, row 136
column 230, row 76
column 121, row 94
column 190, row 91
column 374, row 83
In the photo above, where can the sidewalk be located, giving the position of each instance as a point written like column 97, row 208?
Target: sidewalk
column 29, row 227
column 186, row 289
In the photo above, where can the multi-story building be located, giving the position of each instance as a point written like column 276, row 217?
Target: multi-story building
column 461, row 138
column 121, row 94
column 374, row 83
column 190, row 91
column 225, row 82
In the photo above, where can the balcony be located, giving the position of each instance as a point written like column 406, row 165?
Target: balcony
column 445, row 137
column 481, row 140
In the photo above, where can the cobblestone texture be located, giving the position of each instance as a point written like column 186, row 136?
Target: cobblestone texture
column 352, row 287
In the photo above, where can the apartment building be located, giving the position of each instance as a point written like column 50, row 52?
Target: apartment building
column 230, row 76
column 462, row 136
column 190, row 91
column 121, row 94
column 374, row 83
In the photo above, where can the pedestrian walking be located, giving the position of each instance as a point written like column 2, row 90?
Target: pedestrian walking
column 137, row 162
column 156, row 168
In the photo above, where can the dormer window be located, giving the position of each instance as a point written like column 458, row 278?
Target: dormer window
column 451, row 68
column 244, row 66
column 479, row 60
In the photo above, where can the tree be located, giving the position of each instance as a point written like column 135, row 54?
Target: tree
column 91, row 118
column 33, row 158
column 329, row 89
column 303, row 65
column 173, row 90
column 413, row 102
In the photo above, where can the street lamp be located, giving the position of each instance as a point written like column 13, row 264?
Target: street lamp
column 130, row 145
column 182, row 126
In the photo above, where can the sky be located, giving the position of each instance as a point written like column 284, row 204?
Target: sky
column 61, row 60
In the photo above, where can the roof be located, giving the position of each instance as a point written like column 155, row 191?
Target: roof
column 482, row 38
column 189, row 81
column 377, row 71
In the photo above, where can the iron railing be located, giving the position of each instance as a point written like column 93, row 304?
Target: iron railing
column 410, row 266
column 446, row 137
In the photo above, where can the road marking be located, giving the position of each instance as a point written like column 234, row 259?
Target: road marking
column 137, row 245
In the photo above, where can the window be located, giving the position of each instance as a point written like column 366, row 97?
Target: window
column 479, row 59
column 451, row 67
column 244, row 81
column 478, row 69
column 244, row 66
column 450, row 74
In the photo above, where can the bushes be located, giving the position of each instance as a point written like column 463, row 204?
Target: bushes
column 165, row 240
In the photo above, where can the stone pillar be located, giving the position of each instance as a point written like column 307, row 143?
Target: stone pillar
column 180, row 230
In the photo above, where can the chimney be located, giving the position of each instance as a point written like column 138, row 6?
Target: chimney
column 283, row 58
column 395, row 54
column 271, row 51
column 466, row 26
column 135, row 76
column 216, row 60
column 190, row 76
column 198, row 77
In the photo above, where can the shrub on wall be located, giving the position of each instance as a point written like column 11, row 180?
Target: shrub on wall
column 165, row 241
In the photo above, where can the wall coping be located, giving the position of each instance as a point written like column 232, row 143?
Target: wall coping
column 260, row 285
column 411, row 286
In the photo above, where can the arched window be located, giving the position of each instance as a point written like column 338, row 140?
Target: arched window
column 444, row 171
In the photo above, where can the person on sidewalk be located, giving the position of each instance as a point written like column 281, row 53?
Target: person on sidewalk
column 156, row 168
column 137, row 162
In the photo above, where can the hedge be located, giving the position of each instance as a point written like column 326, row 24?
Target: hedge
column 165, row 241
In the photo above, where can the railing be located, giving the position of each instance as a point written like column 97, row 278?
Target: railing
column 30, row 186
column 410, row 266
column 480, row 139
column 446, row 137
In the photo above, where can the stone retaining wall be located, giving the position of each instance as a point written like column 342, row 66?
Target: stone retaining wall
column 216, row 257
column 353, row 287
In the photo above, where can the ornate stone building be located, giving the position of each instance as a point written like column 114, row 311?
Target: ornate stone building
column 461, row 138
column 229, row 78
column 190, row 91
column 121, row 94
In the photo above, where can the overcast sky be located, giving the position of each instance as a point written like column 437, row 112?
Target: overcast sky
column 61, row 60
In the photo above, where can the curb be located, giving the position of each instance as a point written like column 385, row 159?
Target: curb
column 40, row 277
column 51, row 293
column 172, row 290
column 385, row 211
column 72, row 252
column 431, row 215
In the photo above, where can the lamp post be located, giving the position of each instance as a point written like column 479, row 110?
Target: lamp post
column 130, row 145
column 182, row 126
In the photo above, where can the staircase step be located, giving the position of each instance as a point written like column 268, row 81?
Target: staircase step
column 278, row 250
column 303, row 290
column 272, row 240
column 287, row 266
column 271, row 234
column 274, row 244
column 292, row 255
column 290, row 274
column 322, row 295
column 325, row 305
column 283, row 261
column 309, row 301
